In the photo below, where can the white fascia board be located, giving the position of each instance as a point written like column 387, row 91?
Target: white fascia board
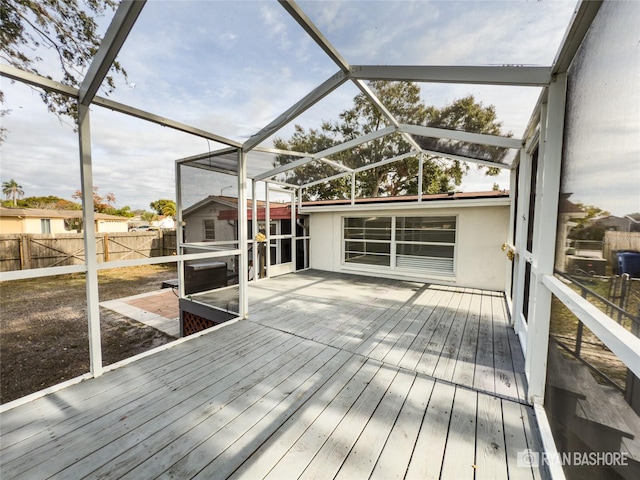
column 482, row 75
column 37, row 81
column 307, row 102
column 624, row 344
column 122, row 23
column 135, row 112
column 479, row 138
column 425, row 204
column 307, row 25
column 355, row 142
column 460, row 158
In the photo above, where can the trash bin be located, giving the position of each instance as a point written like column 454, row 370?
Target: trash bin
column 629, row 262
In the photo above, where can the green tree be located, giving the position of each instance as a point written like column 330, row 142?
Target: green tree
column 148, row 216
column 49, row 202
column 12, row 190
column 63, row 27
column 164, row 207
column 399, row 178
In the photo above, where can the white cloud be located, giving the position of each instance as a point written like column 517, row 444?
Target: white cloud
column 231, row 67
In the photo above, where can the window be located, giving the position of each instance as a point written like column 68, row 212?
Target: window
column 425, row 243
column 403, row 243
column 368, row 240
column 209, row 229
column 45, row 225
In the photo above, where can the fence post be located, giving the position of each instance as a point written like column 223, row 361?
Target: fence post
column 105, row 246
column 25, row 252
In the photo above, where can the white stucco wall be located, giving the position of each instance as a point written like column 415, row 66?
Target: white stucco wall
column 479, row 260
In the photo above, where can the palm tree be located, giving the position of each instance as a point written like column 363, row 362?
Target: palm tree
column 12, row 190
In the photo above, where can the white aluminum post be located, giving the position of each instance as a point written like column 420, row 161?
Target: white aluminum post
column 353, row 188
column 511, row 269
column 294, row 244
column 267, row 230
column 91, row 260
column 254, row 228
column 520, row 243
column 243, row 273
column 420, row 171
column 548, row 188
column 179, row 230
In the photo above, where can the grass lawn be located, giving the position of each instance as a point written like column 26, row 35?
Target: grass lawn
column 564, row 326
column 43, row 326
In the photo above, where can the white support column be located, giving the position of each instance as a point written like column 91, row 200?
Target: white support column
column 520, row 241
column 548, row 188
column 243, row 274
column 91, row 260
column 420, row 172
column 353, row 188
column 513, row 188
column 267, row 231
column 179, row 230
column 254, row 228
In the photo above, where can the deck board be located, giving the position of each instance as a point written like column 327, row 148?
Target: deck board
column 333, row 376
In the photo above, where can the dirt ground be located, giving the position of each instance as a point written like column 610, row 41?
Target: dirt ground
column 43, row 327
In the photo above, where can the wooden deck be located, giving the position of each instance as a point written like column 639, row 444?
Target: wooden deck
column 333, row 376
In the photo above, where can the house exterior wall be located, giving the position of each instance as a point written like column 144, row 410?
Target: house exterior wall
column 110, row 226
column 479, row 260
column 33, row 225
column 10, row 225
column 194, row 228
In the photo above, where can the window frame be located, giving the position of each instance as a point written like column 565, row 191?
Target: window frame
column 393, row 243
column 45, row 226
column 205, row 229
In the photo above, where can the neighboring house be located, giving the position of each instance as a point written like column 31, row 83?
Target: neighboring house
column 165, row 222
column 214, row 219
column 567, row 213
column 618, row 224
column 453, row 239
column 44, row 221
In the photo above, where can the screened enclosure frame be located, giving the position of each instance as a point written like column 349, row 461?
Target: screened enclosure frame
column 545, row 129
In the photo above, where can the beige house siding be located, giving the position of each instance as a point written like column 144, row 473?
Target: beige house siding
column 479, row 260
column 10, row 225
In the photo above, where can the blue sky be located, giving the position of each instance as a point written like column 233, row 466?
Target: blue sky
column 231, row 67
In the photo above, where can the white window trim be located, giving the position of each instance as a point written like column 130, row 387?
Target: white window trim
column 393, row 268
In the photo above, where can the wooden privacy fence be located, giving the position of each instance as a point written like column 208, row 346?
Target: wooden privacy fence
column 25, row 251
column 615, row 242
